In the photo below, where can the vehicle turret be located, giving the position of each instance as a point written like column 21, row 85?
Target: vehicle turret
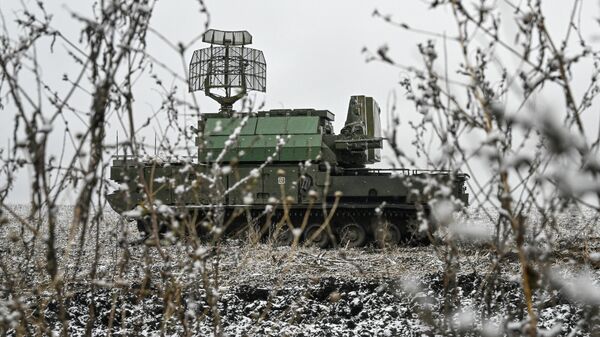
column 293, row 135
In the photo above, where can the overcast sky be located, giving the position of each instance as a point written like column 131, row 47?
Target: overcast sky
column 313, row 50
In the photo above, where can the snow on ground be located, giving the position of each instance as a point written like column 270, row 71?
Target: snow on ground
column 274, row 291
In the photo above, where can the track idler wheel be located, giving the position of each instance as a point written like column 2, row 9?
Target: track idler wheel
column 352, row 236
column 387, row 234
column 143, row 227
column 313, row 237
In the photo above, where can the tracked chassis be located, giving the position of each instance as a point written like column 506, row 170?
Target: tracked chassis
column 352, row 208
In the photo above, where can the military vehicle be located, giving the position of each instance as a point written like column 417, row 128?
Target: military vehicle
column 280, row 173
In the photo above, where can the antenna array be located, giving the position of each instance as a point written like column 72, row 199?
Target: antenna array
column 227, row 69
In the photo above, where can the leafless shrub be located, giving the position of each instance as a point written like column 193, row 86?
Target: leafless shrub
column 485, row 100
column 482, row 99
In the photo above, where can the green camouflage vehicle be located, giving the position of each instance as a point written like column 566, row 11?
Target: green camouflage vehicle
column 279, row 173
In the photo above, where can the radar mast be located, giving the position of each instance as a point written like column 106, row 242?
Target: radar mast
column 227, row 69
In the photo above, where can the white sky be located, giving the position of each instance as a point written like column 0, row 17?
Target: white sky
column 312, row 48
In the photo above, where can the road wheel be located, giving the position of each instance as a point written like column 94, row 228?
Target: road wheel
column 352, row 236
column 416, row 237
column 283, row 236
column 311, row 237
column 387, row 234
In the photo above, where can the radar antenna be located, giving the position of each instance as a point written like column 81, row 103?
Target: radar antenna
column 227, row 65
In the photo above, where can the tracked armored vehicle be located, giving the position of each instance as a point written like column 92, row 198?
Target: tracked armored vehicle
column 283, row 174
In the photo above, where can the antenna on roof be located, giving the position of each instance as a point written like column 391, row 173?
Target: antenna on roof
column 227, row 65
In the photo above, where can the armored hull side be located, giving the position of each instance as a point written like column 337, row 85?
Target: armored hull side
column 351, row 207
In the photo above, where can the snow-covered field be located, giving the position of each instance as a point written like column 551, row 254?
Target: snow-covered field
column 274, row 291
